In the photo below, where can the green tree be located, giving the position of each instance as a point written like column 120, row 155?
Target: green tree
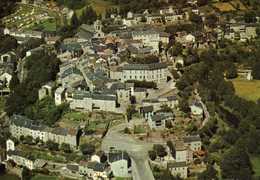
column 7, row 43
column 235, row 164
column 211, row 20
column 152, row 155
column 28, row 140
column 65, row 147
column 209, row 174
column 231, row 71
column 26, row 174
column 74, row 22
column 87, row 149
column 160, row 150
column 176, row 49
column 89, row 16
column 250, row 17
column 52, row 145
column 195, row 18
column 256, row 70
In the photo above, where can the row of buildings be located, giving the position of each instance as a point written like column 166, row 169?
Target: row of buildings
column 22, row 126
column 117, row 163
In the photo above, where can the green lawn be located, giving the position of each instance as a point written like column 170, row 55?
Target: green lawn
column 250, row 90
column 2, row 103
column 100, row 6
column 44, row 177
column 256, row 165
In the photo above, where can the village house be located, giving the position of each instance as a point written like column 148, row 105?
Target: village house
column 59, row 96
column 22, row 158
column 93, row 170
column 22, row 126
column 84, row 100
column 158, row 121
column 196, row 111
column 148, row 37
column 22, row 36
column 46, row 90
column 237, row 32
column 173, row 18
column 156, row 72
column 170, row 101
column 123, row 91
column 133, row 19
column 180, row 152
column 185, row 39
column 178, row 168
column 120, row 163
column 147, row 112
column 154, row 19
column 70, row 76
column 74, row 50
column 194, row 142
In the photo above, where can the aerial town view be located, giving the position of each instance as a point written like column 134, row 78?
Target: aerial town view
column 130, row 89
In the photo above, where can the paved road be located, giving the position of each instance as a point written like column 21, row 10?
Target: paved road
column 204, row 107
column 137, row 150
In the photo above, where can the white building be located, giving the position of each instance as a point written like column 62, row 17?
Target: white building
column 156, row 72
column 59, row 96
column 178, row 168
column 158, row 121
column 149, row 38
column 22, row 126
column 84, row 100
column 194, row 142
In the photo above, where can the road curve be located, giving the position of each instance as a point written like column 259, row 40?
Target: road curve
column 137, row 150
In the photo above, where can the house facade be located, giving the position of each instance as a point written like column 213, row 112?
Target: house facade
column 84, row 100
column 156, row 72
column 22, row 126
column 178, row 169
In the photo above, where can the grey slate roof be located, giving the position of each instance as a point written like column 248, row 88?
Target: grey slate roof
column 98, row 96
column 22, row 154
column 143, row 33
column 117, row 156
column 70, row 47
column 153, row 66
column 73, row 167
column 99, row 167
column 146, row 109
column 161, row 117
column 188, row 139
column 176, row 164
column 25, row 122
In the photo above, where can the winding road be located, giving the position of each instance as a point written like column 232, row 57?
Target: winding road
column 137, row 150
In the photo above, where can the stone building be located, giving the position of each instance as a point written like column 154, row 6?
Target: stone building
column 156, row 72
column 178, row 168
column 194, row 142
column 84, row 100
column 22, row 126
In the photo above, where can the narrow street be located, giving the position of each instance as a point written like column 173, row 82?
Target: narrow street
column 137, row 150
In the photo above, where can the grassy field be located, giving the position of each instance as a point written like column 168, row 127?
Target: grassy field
column 256, row 165
column 43, row 177
column 238, row 4
column 249, row 90
column 224, row 6
column 100, row 6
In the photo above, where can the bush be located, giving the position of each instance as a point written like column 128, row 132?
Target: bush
column 52, row 145
column 143, row 84
column 65, row 147
column 87, row 149
column 152, row 155
column 160, row 150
